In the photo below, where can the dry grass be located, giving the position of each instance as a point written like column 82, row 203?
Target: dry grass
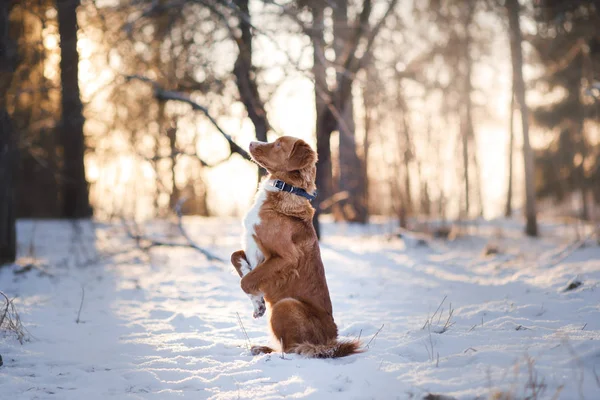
column 437, row 328
column 534, row 388
column 10, row 320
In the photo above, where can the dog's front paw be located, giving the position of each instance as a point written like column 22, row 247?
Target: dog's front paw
column 259, row 307
column 240, row 262
column 244, row 268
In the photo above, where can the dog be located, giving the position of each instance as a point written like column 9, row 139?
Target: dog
column 280, row 263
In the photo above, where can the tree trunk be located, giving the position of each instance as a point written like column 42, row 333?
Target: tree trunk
column 175, row 192
column 246, row 83
column 477, row 176
column 8, row 150
column 466, row 114
column 511, row 145
column 325, row 121
column 369, row 102
column 465, row 157
column 8, row 233
column 406, row 149
column 351, row 179
column 37, row 186
column 75, row 188
column 512, row 7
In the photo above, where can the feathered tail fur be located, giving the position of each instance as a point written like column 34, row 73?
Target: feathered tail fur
column 332, row 349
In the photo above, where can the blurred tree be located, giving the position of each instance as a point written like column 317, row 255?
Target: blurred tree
column 351, row 43
column 406, row 150
column 35, row 105
column 511, row 146
column 75, row 187
column 184, row 50
column 8, row 151
column 351, row 179
column 245, row 75
column 568, row 45
column 325, row 120
column 466, row 108
column 512, row 7
column 458, row 40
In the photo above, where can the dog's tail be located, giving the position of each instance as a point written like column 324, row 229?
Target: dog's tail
column 332, row 349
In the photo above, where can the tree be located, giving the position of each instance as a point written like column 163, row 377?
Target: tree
column 512, row 7
column 245, row 74
column 351, row 179
column 466, row 113
column 568, row 45
column 511, row 146
column 8, row 156
column 35, row 108
column 457, row 39
column 334, row 103
column 75, row 188
column 325, row 121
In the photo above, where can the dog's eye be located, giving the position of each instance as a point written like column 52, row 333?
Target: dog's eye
column 277, row 144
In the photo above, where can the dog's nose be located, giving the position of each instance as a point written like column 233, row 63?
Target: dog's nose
column 252, row 145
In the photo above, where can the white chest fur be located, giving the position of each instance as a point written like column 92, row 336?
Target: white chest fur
column 251, row 221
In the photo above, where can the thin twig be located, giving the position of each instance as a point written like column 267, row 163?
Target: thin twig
column 243, row 330
column 440, row 316
column 80, row 304
column 430, row 342
column 374, row 336
column 5, row 313
column 448, row 325
column 433, row 316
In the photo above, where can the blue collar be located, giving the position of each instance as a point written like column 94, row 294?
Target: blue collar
column 284, row 187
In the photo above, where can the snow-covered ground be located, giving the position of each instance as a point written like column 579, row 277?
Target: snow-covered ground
column 165, row 325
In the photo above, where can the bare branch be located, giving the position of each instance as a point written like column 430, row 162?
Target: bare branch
column 146, row 243
column 371, row 39
column 176, row 153
column 165, row 95
column 191, row 243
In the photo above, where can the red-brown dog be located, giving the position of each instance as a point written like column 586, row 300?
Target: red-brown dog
column 281, row 259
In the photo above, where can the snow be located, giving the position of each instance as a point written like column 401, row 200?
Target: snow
column 164, row 324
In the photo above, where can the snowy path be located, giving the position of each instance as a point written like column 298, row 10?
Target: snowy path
column 167, row 327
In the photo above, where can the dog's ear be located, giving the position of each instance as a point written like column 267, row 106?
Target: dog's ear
column 301, row 156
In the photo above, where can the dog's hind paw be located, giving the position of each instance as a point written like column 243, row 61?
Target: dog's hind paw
column 256, row 350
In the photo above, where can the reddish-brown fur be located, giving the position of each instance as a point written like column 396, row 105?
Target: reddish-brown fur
column 291, row 277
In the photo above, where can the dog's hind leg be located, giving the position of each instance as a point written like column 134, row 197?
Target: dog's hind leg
column 241, row 265
column 294, row 322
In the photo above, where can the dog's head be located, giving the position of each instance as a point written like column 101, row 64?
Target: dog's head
column 289, row 159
